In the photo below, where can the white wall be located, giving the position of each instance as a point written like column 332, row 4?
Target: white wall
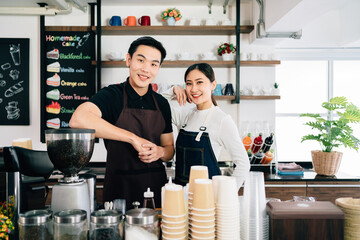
column 28, row 27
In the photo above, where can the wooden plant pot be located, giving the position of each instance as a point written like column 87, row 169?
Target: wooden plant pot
column 326, row 163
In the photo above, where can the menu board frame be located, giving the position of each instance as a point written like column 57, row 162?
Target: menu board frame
column 14, row 81
column 69, row 76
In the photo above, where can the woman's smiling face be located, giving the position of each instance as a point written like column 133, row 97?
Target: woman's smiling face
column 199, row 88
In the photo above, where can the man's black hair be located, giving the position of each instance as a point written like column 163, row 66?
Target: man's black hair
column 147, row 41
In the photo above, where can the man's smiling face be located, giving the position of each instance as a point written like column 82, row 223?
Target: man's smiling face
column 144, row 65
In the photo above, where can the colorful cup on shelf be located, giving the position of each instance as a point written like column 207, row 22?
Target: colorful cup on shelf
column 144, row 21
column 115, row 21
column 218, row 90
column 130, row 21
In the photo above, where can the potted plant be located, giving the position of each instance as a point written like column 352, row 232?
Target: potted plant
column 276, row 89
column 226, row 50
column 332, row 134
column 170, row 16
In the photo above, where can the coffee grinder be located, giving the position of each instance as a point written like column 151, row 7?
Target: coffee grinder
column 70, row 150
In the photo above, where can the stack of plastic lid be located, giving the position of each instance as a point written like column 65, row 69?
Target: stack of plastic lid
column 173, row 213
column 202, row 213
column 227, row 208
column 351, row 208
column 254, row 220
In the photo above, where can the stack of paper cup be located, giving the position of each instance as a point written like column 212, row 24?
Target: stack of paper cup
column 195, row 172
column 227, row 208
column 254, row 220
column 22, row 142
column 173, row 213
column 202, row 214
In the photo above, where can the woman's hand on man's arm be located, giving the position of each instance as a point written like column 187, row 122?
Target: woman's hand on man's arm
column 181, row 95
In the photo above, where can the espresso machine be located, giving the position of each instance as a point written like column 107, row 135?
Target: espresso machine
column 70, row 150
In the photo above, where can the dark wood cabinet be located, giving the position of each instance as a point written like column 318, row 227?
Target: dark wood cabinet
column 321, row 190
column 285, row 190
column 330, row 191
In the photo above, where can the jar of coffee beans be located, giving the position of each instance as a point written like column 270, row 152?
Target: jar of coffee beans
column 106, row 225
column 35, row 224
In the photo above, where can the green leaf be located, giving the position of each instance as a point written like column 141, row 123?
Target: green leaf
column 310, row 137
column 339, row 101
column 313, row 115
column 347, row 129
column 352, row 114
column 347, row 141
column 335, row 103
column 352, row 117
column 316, row 125
column 335, row 132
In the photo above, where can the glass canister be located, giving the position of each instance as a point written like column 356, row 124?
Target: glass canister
column 141, row 223
column 106, row 225
column 35, row 224
column 70, row 225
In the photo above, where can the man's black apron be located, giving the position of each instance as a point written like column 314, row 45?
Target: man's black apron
column 126, row 176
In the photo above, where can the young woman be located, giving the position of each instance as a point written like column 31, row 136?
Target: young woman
column 204, row 129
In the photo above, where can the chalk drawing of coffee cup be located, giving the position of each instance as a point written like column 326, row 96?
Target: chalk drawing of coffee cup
column 15, row 54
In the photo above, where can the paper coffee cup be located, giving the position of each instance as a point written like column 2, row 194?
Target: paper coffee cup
column 197, row 172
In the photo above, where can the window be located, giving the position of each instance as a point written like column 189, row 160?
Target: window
column 304, row 85
column 347, row 83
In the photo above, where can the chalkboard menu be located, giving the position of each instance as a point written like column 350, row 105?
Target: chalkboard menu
column 70, row 77
column 14, row 81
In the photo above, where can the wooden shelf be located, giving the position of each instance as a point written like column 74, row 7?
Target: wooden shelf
column 225, row 97
column 68, row 28
column 259, row 97
column 173, row 30
column 169, row 64
column 182, row 63
column 243, row 97
column 260, row 63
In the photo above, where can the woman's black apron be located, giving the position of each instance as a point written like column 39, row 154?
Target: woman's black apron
column 194, row 148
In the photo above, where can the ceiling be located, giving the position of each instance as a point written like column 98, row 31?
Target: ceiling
column 52, row 3
column 324, row 23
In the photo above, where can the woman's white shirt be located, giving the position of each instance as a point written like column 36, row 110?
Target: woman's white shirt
column 222, row 131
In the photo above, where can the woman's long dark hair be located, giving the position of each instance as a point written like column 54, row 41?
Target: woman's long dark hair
column 207, row 70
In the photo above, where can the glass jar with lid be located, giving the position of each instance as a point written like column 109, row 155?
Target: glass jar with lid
column 141, row 223
column 106, row 224
column 35, row 224
column 70, row 224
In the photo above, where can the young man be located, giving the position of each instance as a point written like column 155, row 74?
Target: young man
column 135, row 123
